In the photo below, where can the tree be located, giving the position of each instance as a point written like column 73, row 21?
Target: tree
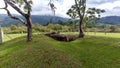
column 106, row 28
column 80, row 8
column 113, row 28
column 93, row 15
column 13, row 27
column 26, row 13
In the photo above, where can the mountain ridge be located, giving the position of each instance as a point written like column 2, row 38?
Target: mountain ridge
column 113, row 20
column 38, row 19
column 44, row 19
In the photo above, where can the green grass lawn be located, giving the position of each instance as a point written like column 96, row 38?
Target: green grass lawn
column 44, row 52
column 8, row 37
column 101, row 34
column 111, row 35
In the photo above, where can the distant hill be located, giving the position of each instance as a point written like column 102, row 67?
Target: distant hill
column 39, row 19
column 113, row 20
column 44, row 19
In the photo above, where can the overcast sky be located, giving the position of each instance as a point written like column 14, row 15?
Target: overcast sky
column 40, row 7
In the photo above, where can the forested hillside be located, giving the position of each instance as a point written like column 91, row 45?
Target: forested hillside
column 44, row 19
column 39, row 19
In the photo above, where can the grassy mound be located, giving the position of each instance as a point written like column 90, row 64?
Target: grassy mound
column 44, row 52
column 40, row 53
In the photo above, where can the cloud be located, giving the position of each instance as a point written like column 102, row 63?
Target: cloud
column 40, row 7
column 63, row 7
column 100, row 1
column 111, row 6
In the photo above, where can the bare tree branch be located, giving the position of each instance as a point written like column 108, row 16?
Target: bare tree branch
column 19, row 19
column 10, row 15
column 84, row 9
column 52, row 6
column 15, row 7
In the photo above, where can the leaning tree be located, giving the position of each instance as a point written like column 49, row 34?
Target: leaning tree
column 23, row 7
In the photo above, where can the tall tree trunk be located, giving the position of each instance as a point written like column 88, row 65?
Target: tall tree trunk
column 81, row 34
column 29, row 28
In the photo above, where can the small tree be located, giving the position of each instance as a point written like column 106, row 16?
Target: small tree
column 113, row 28
column 26, row 6
column 80, row 7
column 13, row 27
column 106, row 28
column 78, row 11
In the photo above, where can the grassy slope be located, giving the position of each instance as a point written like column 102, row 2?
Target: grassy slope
column 40, row 53
column 44, row 52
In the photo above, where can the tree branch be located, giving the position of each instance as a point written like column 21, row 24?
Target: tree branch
column 29, row 6
column 15, row 7
column 10, row 15
column 78, row 9
column 13, row 17
column 84, row 9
